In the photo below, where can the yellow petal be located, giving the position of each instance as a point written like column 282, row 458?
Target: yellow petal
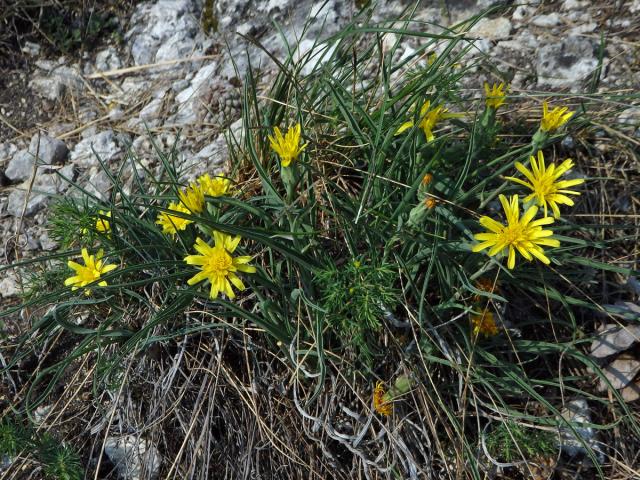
column 405, row 126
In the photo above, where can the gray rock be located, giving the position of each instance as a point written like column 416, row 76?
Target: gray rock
column 584, row 28
column 41, row 413
column 32, row 49
column 190, row 100
column 574, row 5
column 45, row 185
column 20, row 166
column 132, row 88
column 108, row 59
column 9, row 285
column 566, row 63
column 548, row 20
column 116, row 114
column 578, row 414
column 65, row 175
column 152, row 110
column 492, row 28
column 99, row 184
column 524, row 42
column 620, row 372
column 7, row 150
column 522, row 13
column 613, row 339
column 568, row 143
column 46, row 242
column 103, row 144
column 630, row 118
column 50, row 151
column 135, row 458
column 165, row 30
column 54, row 84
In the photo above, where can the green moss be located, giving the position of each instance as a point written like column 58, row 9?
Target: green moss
column 510, row 441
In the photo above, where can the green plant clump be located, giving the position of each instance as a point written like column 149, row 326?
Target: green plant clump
column 377, row 218
column 509, row 442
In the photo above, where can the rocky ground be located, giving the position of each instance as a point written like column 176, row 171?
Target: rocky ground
column 176, row 76
column 172, row 79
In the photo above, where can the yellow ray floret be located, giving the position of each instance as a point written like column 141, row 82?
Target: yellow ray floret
column 192, row 198
column 287, row 147
column 524, row 235
column 545, row 185
column 380, row 402
column 102, row 224
column 484, row 324
column 90, row 272
column 554, row 119
column 495, row 95
column 217, row 266
column 429, row 118
column 172, row 223
column 214, row 187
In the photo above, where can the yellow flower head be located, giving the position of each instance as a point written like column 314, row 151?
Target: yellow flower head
column 484, row 324
column 288, row 146
column 214, row 187
column 554, row 119
column 192, row 198
column 430, row 202
column 427, row 179
column 545, row 185
column 522, row 234
column 429, row 117
column 171, row 223
column 102, row 224
column 495, row 95
column 217, row 266
column 380, row 403
column 90, row 272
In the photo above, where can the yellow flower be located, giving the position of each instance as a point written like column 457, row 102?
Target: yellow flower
column 287, row 147
column 214, row 187
column 521, row 234
column 427, row 179
column 102, row 224
column 554, row 119
column 192, row 198
column 484, row 324
column 428, row 120
column 430, row 202
column 495, row 95
column 90, row 272
column 217, row 266
column 544, row 183
column 171, row 223
column 380, row 403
